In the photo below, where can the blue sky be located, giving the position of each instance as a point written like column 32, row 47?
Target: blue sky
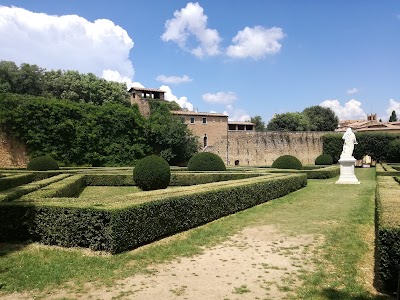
column 244, row 58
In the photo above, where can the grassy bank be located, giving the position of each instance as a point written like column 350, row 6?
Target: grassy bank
column 342, row 216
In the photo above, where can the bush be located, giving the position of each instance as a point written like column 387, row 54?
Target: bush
column 206, row 161
column 394, row 151
column 287, row 162
column 152, row 173
column 42, row 163
column 324, row 159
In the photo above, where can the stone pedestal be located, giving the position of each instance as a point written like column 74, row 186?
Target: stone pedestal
column 347, row 171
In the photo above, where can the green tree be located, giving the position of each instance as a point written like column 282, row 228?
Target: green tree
column 260, row 124
column 289, row 122
column 321, row 118
column 8, row 76
column 393, row 117
column 167, row 136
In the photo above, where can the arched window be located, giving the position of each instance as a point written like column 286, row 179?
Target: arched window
column 205, row 140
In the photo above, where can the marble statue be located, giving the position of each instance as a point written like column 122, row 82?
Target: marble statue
column 349, row 141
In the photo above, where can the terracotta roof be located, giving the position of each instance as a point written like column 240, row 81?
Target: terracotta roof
column 145, row 90
column 193, row 113
column 241, row 123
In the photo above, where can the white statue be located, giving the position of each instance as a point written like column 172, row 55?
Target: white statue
column 349, row 141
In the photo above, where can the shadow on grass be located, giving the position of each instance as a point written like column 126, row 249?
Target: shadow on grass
column 334, row 294
column 6, row 248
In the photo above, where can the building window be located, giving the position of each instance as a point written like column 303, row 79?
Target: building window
column 204, row 120
column 191, row 120
column 205, row 140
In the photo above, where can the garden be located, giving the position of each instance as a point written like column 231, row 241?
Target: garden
column 74, row 233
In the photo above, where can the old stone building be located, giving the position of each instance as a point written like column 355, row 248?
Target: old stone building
column 141, row 97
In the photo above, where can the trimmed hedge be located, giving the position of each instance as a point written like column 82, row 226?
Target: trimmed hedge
column 324, row 159
column 152, row 173
column 206, row 161
column 19, row 191
column 386, row 170
column 12, row 181
column 320, row 173
column 287, row 162
column 42, row 163
column 388, row 232
column 131, row 225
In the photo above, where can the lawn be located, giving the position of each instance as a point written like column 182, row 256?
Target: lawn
column 341, row 215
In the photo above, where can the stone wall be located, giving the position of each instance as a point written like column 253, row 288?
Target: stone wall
column 262, row 148
column 12, row 153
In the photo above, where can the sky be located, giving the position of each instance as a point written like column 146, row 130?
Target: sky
column 241, row 58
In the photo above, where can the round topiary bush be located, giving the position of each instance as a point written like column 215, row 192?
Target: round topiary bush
column 43, row 163
column 206, row 161
column 324, row 159
column 287, row 162
column 152, row 173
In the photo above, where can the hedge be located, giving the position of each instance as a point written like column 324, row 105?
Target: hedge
column 12, row 181
column 19, row 191
column 386, row 170
column 320, row 173
column 375, row 145
column 68, row 186
column 388, row 232
column 177, row 179
column 127, row 225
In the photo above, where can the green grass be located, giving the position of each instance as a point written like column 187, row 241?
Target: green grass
column 102, row 192
column 340, row 215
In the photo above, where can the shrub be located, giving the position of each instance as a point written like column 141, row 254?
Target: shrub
column 394, row 151
column 324, row 159
column 206, row 161
column 287, row 162
column 42, row 163
column 152, row 173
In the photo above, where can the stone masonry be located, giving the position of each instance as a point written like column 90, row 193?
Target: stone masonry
column 12, row 153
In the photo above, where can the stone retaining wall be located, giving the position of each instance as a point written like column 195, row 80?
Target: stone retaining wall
column 12, row 152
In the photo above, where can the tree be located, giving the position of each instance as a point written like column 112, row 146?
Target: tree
column 260, row 125
column 167, row 136
column 393, row 117
column 289, row 122
column 321, row 118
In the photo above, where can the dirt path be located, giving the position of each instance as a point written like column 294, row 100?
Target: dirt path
column 257, row 263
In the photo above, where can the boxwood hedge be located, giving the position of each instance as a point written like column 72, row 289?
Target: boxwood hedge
column 117, row 228
column 388, row 232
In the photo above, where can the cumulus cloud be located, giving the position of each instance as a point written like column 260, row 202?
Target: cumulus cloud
column 190, row 24
column 236, row 114
column 256, row 42
column 182, row 101
column 173, row 79
column 352, row 91
column 351, row 110
column 65, row 42
column 393, row 106
column 220, row 98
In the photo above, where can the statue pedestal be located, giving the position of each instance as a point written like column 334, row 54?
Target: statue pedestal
column 347, row 171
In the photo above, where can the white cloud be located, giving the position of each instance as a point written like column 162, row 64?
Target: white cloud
column 256, row 42
column 235, row 114
column 351, row 110
column 393, row 106
column 182, row 101
column 220, row 98
column 191, row 23
column 352, row 91
column 67, row 42
column 173, row 79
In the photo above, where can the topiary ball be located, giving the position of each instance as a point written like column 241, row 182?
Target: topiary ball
column 206, row 161
column 324, row 159
column 287, row 162
column 152, row 173
column 42, row 163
